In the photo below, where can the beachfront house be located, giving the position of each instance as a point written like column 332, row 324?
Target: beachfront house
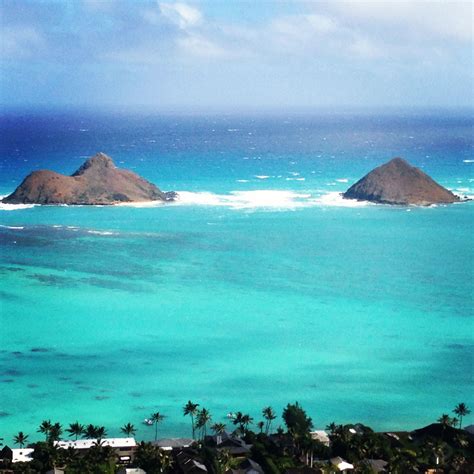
column 14, row 455
column 321, row 436
column 170, row 444
column 124, row 447
column 342, row 466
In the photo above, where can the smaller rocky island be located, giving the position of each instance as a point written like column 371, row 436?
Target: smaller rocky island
column 97, row 182
column 399, row 183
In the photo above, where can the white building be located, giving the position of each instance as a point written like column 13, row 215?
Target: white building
column 124, row 447
column 321, row 436
column 22, row 455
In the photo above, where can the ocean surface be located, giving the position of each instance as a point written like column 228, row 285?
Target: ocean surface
column 260, row 286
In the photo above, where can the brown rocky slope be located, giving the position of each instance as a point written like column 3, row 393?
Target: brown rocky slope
column 397, row 182
column 97, row 182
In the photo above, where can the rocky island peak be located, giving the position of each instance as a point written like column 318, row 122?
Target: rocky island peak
column 96, row 182
column 399, row 183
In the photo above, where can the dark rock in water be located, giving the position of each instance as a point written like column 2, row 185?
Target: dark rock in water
column 171, row 196
column 98, row 181
column 397, row 182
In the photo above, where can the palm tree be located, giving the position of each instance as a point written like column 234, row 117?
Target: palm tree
column 238, row 420
column 128, row 429
column 246, row 421
column 260, row 426
column 55, row 432
column 461, row 410
column 45, row 428
column 75, row 429
column 156, row 418
column 218, row 428
column 191, row 409
column 100, row 432
column 269, row 415
column 94, row 432
column 331, row 428
column 90, row 432
column 445, row 420
column 203, row 417
column 20, row 439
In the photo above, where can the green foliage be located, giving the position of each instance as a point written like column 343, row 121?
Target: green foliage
column 156, row 418
column 45, row 428
column 191, row 409
column 94, row 432
column 128, row 430
column 263, row 457
column 75, row 429
column 203, row 417
column 296, row 420
column 20, row 439
column 46, row 456
column 269, row 416
column 461, row 410
column 148, row 458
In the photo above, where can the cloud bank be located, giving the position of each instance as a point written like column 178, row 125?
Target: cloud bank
column 203, row 53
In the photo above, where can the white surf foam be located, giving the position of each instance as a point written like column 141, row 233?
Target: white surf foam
column 14, row 207
column 12, row 227
column 101, row 232
column 342, row 180
column 140, row 204
column 264, row 199
column 335, row 199
column 468, row 161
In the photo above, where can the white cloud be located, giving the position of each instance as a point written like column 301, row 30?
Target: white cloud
column 448, row 19
column 20, row 41
column 181, row 14
column 364, row 48
column 301, row 27
column 197, row 45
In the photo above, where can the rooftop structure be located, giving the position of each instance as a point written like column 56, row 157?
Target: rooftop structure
column 168, row 444
column 21, row 454
column 321, row 436
column 88, row 443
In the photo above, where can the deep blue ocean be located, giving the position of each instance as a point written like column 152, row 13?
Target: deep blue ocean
column 260, row 286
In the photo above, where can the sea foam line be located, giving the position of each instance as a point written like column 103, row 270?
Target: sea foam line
column 12, row 227
column 246, row 200
column 265, row 199
column 15, row 207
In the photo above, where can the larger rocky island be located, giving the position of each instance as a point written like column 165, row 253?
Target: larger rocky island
column 97, row 182
column 397, row 182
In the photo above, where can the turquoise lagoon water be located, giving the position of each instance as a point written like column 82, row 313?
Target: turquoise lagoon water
column 260, row 287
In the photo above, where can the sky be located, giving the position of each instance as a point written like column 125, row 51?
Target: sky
column 236, row 54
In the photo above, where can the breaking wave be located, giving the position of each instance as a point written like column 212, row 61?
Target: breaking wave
column 265, row 199
column 14, row 207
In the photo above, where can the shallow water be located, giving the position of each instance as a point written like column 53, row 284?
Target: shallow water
column 258, row 288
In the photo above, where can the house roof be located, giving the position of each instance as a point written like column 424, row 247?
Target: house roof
column 341, row 464
column 131, row 470
column 378, row 465
column 190, row 465
column 88, row 443
column 173, row 443
column 22, row 454
column 320, row 435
